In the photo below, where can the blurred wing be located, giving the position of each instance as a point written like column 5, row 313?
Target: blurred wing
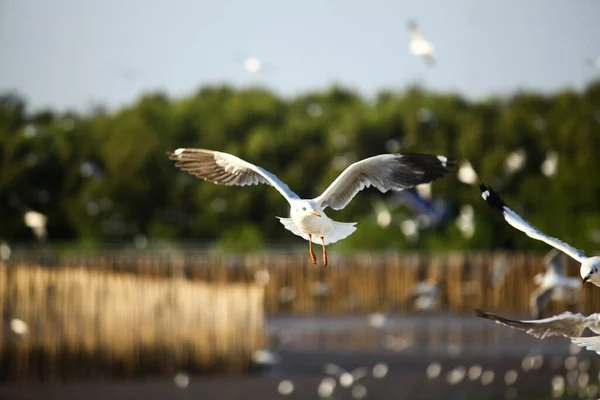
column 554, row 261
column 385, row 172
column 566, row 324
column 514, row 219
column 591, row 343
column 226, row 169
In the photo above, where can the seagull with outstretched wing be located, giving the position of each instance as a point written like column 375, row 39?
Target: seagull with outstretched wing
column 589, row 265
column 566, row 324
column 308, row 219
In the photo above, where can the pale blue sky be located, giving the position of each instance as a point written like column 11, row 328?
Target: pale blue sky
column 72, row 53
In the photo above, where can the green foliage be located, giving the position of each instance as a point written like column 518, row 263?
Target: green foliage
column 105, row 177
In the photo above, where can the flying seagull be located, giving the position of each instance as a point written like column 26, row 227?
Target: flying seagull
column 308, row 219
column 551, row 284
column 566, row 324
column 419, row 46
column 589, row 265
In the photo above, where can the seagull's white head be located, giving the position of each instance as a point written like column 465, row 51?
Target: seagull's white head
column 590, row 270
column 304, row 208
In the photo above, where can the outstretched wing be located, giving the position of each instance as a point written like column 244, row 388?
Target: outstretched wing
column 518, row 222
column 566, row 324
column 591, row 343
column 226, row 169
column 385, row 172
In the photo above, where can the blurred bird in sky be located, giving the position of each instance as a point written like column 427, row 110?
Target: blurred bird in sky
column 419, row 46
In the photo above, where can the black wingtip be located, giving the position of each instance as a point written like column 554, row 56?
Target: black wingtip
column 481, row 314
column 491, row 197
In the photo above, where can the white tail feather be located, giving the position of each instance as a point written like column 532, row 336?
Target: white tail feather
column 338, row 231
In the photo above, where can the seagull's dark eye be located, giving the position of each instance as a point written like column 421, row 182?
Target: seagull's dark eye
column 303, row 208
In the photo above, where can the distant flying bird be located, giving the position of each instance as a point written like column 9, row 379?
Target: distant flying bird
column 252, row 64
column 308, row 220
column 436, row 212
column 552, row 283
column 589, row 265
column 36, row 221
column 566, row 324
column 419, row 46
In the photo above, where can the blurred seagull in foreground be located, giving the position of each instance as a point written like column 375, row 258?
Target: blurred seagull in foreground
column 419, row 46
column 589, row 265
column 566, row 324
column 552, row 284
column 308, row 219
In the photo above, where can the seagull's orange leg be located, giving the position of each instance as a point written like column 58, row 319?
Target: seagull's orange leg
column 312, row 253
column 324, row 252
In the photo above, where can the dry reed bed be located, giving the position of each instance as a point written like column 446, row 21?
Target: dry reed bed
column 358, row 283
column 87, row 323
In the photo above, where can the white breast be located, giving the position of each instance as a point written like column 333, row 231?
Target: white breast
column 314, row 225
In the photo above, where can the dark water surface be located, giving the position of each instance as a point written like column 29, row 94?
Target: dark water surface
column 473, row 358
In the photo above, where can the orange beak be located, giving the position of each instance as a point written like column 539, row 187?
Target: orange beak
column 316, row 214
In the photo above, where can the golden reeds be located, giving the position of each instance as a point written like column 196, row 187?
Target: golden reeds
column 357, row 283
column 91, row 323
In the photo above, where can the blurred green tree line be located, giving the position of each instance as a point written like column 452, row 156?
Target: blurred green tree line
column 104, row 176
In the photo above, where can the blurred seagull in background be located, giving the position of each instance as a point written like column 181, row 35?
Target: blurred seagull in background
column 566, row 324
column 308, row 219
column 589, row 265
column 419, row 46
column 425, row 295
column 552, row 284
column 346, row 378
column 36, row 221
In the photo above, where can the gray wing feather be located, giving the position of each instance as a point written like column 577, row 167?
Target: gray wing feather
column 566, row 324
column 226, row 169
column 385, row 172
